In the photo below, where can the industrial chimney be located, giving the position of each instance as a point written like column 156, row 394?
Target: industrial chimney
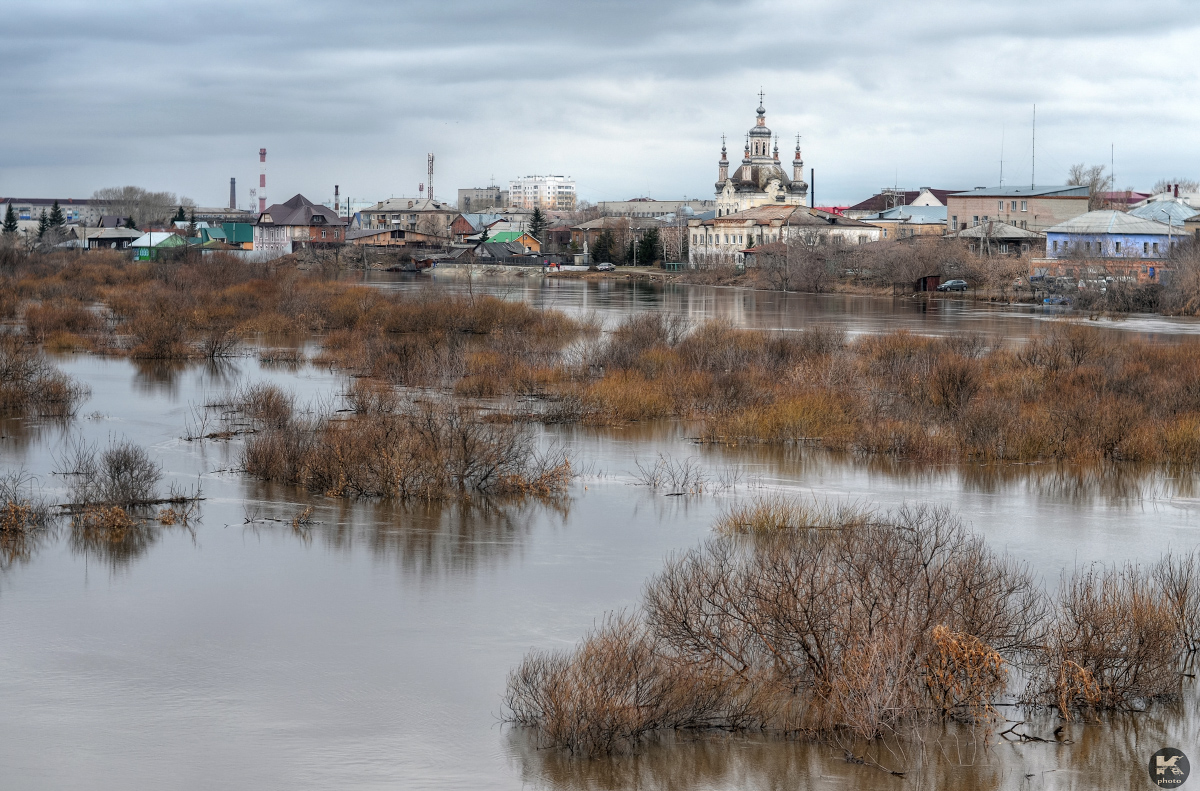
column 232, row 193
column 262, row 179
column 337, row 201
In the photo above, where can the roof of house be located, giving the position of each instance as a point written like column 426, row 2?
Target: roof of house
column 491, row 249
column 1172, row 211
column 879, row 202
column 1114, row 222
column 997, row 230
column 363, row 233
column 409, row 204
column 117, row 233
column 157, row 239
column 501, row 237
column 298, row 210
column 112, row 220
column 615, row 222
column 913, row 215
column 787, row 215
column 1059, row 191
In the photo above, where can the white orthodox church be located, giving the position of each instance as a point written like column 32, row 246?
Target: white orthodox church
column 760, row 179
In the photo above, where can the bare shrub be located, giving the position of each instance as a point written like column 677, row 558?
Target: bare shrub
column 775, row 512
column 679, row 477
column 122, row 474
column 1114, row 642
column 30, row 385
column 428, row 451
column 22, row 514
column 863, row 628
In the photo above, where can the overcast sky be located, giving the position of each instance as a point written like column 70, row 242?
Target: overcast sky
column 628, row 97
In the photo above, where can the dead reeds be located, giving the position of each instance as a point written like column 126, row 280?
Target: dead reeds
column 817, row 620
column 31, row 386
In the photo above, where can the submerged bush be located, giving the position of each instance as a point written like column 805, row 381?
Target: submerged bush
column 31, row 386
column 431, row 450
column 807, row 619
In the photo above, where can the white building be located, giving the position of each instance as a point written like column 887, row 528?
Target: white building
column 545, row 192
column 760, row 179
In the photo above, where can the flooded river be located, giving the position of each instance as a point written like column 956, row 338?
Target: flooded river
column 370, row 650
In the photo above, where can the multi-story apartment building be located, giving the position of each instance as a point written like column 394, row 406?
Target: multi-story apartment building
column 75, row 210
column 1031, row 208
column 544, row 192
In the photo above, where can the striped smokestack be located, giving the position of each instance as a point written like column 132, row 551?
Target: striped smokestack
column 262, row 179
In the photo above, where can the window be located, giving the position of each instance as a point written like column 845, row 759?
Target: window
column 1056, row 247
column 1023, row 225
column 322, row 234
column 954, row 223
column 693, row 238
column 1000, row 207
column 1013, row 206
column 1155, row 245
column 1024, row 205
column 1117, row 246
column 1145, row 248
column 975, row 220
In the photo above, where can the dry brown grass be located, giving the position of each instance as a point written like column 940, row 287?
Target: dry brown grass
column 206, row 307
column 1074, row 395
column 385, row 448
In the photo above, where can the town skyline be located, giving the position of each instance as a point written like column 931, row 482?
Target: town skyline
column 633, row 104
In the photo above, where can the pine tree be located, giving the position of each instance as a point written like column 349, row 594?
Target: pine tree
column 43, row 224
column 10, row 222
column 648, row 250
column 56, row 216
column 191, row 228
column 129, row 223
column 537, row 224
column 180, row 216
column 603, row 249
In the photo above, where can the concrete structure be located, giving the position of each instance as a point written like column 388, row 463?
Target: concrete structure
column 728, row 238
column 477, row 199
column 904, row 222
column 760, row 179
column 75, row 210
column 424, row 216
column 285, row 227
column 544, row 192
column 649, row 207
column 1031, row 208
column 891, row 197
column 262, row 180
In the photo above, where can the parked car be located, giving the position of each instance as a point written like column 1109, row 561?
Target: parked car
column 953, row 285
column 1056, row 299
column 605, row 267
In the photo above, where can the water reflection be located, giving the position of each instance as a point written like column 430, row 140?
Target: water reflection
column 1110, row 753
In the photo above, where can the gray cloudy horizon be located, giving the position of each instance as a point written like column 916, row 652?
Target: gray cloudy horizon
column 628, row 98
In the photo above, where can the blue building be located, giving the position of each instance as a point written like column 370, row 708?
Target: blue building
column 1112, row 234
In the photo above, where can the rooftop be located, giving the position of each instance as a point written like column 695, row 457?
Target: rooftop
column 1107, row 221
column 1171, row 211
column 914, row 215
column 1059, row 191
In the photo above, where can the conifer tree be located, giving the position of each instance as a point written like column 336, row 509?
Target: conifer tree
column 10, row 222
column 180, row 216
column 191, row 228
column 648, row 249
column 129, row 223
column 56, row 216
column 43, row 224
column 537, row 224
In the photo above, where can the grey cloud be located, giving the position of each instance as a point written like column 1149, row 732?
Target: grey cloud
column 627, row 96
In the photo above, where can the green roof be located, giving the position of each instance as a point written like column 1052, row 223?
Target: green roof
column 500, row 237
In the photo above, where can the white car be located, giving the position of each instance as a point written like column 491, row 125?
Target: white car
column 605, row 267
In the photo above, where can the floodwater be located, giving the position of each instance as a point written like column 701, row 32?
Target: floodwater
column 370, row 650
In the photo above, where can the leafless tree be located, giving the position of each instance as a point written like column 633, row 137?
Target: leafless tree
column 1185, row 185
column 1094, row 179
column 140, row 204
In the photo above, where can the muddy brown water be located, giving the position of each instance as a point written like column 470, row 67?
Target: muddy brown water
column 370, row 651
